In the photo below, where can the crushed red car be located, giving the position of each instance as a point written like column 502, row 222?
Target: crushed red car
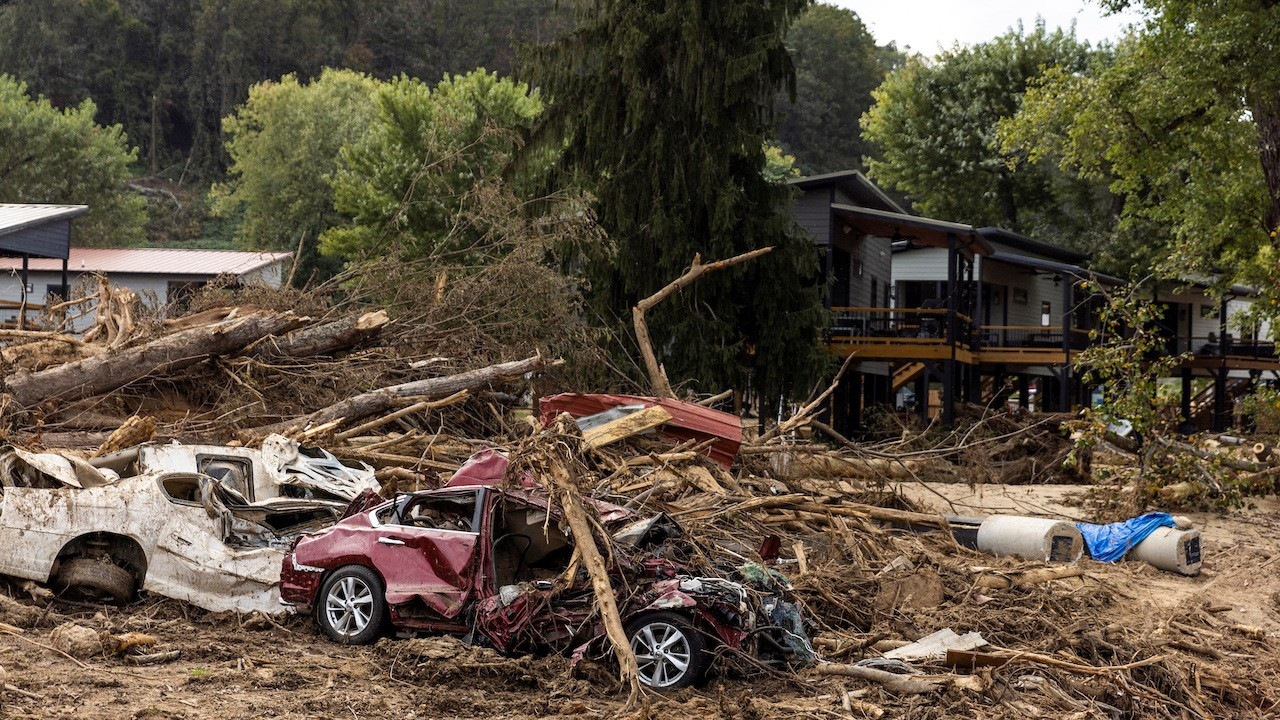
column 489, row 563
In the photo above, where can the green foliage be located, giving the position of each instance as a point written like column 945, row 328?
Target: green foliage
column 1182, row 125
column 1126, row 358
column 662, row 111
column 934, row 126
column 1262, row 407
column 837, row 64
column 62, row 156
column 472, row 124
column 189, row 64
column 284, row 144
column 778, row 166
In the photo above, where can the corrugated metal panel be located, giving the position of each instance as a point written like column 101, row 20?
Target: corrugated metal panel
column 157, row 261
column 15, row 216
column 688, row 420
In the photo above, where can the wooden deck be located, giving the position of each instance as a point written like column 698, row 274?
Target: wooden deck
column 920, row 334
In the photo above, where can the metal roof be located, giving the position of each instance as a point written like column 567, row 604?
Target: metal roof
column 852, row 181
column 1030, row 244
column 154, row 261
column 17, row 216
column 1054, row 266
column 926, row 231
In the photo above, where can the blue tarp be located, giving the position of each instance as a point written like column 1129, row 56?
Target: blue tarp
column 1110, row 542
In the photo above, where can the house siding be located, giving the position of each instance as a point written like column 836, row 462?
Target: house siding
column 812, row 212
column 153, row 289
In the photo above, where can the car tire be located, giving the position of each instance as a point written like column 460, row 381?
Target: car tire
column 351, row 607
column 670, row 653
column 96, row 579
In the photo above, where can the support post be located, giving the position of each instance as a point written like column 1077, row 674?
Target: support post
column 22, row 307
column 922, row 395
column 1220, row 399
column 1186, row 394
column 949, row 365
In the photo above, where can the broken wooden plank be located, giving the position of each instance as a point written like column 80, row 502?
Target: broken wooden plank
column 135, row 431
column 625, row 427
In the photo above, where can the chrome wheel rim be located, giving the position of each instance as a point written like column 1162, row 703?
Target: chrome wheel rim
column 662, row 654
column 349, row 606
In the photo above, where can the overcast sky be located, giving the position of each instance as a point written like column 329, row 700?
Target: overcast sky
column 923, row 25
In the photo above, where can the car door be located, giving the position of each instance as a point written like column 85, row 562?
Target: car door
column 192, row 560
column 425, row 547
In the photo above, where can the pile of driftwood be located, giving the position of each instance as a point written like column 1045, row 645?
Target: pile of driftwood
column 226, row 372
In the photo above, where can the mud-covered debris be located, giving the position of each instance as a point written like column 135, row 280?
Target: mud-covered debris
column 76, row 640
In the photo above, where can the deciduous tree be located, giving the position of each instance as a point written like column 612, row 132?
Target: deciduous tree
column 1185, row 126
column 284, row 144
column 934, row 128
column 49, row 155
column 838, row 64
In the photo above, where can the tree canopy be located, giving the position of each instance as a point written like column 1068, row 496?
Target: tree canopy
column 837, row 65
column 172, row 70
column 662, row 109
column 472, row 124
column 1184, row 125
column 63, row 156
column 934, row 130
column 284, row 144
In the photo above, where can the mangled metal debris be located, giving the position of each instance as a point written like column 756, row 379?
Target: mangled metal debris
column 201, row 523
column 493, row 564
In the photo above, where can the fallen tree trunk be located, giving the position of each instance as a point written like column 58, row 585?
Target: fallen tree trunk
column 657, row 373
column 321, row 339
column 557, row 459
column 894, row 683
column 111, row 371
column 384, row 400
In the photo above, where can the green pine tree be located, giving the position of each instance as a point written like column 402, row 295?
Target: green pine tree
column 663, row 109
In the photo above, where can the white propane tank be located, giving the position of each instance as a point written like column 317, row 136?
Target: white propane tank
column 1170, row 549
column 1031, row 538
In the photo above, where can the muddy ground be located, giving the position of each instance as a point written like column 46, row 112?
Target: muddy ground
column 246, row 668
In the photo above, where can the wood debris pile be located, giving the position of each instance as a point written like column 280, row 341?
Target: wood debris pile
column 874, row 571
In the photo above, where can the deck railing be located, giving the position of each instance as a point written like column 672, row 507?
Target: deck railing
column 1224, row 346
column 1030, row 336
column 929, row 326
column 905, row 325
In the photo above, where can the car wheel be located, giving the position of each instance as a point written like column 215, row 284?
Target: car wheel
column 95, row 579
column 351, row 608
column 669, row 652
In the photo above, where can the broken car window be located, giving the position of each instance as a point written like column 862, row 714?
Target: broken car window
column 234, row 473
column 450, row 512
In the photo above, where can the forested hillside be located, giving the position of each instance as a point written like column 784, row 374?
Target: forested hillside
column 168, row 71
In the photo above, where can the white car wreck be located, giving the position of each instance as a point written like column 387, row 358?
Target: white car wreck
column 205, row 524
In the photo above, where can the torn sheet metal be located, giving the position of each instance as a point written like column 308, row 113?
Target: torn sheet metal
column 936, row 645
column 689, row 421
column 21, row 468
column 181, row 534
column 280, row 469
column 316, row 469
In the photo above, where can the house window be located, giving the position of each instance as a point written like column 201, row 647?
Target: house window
column 1045, row 311
column 875, row 291
column 55, row 292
